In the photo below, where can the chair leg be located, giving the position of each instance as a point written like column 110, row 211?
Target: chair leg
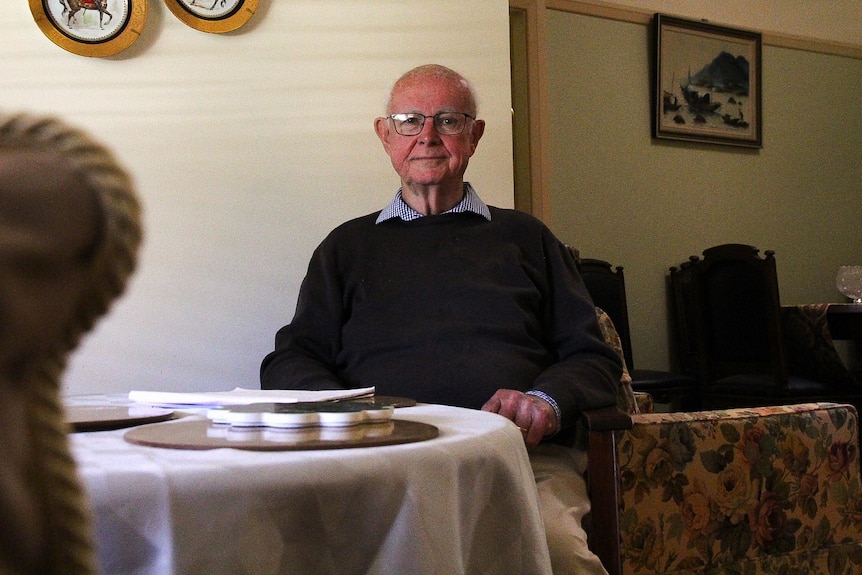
column 604, row 537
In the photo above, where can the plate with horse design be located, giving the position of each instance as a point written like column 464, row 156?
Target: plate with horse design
column 95, row 28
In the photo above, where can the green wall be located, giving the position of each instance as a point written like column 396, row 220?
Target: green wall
column 644, row 204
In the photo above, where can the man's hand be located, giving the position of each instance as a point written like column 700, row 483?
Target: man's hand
column 533, row 415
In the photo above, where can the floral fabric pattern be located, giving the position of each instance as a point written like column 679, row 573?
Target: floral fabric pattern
column 625, row 397
column 772, row 490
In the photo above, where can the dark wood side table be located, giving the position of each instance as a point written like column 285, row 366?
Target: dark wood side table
column 845, row 321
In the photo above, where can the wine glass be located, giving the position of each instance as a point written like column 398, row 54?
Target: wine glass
column 849, row 282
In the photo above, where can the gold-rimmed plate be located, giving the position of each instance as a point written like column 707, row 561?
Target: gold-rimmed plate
column 94, row 28
column 215, row 16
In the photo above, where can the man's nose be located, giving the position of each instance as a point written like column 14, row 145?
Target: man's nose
column 429, row 130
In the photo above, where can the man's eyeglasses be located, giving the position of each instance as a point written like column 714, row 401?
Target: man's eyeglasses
column 446, row 123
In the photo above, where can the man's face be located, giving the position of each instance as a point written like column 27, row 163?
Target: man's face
column 430, row 158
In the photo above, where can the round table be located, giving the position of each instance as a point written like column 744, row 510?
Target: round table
column 463, row 502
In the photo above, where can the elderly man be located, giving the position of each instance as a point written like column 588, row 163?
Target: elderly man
column 444, row 299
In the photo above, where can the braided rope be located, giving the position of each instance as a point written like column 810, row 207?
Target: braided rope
column 67, row 535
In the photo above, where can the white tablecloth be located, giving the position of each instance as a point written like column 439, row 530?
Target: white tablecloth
column 464, row 502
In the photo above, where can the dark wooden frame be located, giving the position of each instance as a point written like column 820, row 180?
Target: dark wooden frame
column 726, row 111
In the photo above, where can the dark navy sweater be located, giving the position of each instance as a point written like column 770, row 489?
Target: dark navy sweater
column 446, row 309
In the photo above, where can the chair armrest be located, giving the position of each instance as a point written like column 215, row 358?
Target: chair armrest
column 606, row 419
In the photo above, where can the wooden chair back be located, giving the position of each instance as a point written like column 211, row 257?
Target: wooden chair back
column 607, row 287
column 735, row 313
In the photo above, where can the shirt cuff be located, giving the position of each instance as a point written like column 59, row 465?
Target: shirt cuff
column 549, row 399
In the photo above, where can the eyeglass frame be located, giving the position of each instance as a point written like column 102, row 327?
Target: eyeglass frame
column 424, row 118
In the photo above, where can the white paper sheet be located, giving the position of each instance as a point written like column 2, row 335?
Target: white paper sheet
column 241, row 396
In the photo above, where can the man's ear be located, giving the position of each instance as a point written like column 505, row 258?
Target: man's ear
column 381, row 126
column 476, row 133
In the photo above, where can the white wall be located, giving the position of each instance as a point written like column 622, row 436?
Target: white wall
column 247, row 149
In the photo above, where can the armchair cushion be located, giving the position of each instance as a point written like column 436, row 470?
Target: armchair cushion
column 755, row 491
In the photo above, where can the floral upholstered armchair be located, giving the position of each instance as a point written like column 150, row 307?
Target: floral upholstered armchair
column 769, row 490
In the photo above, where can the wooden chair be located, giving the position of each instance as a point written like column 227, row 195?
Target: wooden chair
column 607, row 288
column 69, row 233
column 682, row 294
column 730, row 316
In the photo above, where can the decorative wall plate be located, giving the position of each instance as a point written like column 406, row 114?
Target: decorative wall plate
column 215, row 16
column 91, row 27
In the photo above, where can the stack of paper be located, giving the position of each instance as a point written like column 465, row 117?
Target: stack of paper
column 240, row 396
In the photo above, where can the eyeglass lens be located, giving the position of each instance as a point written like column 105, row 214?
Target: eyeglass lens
column 446, row 123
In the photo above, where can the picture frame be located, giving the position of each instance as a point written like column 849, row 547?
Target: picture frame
column 95, row 28
column 213, row 16
column 707, row 83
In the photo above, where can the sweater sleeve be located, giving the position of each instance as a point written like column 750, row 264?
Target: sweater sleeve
column 305, row 349
column 587, row 372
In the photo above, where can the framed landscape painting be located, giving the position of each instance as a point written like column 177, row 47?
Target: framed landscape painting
column 707, row 83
